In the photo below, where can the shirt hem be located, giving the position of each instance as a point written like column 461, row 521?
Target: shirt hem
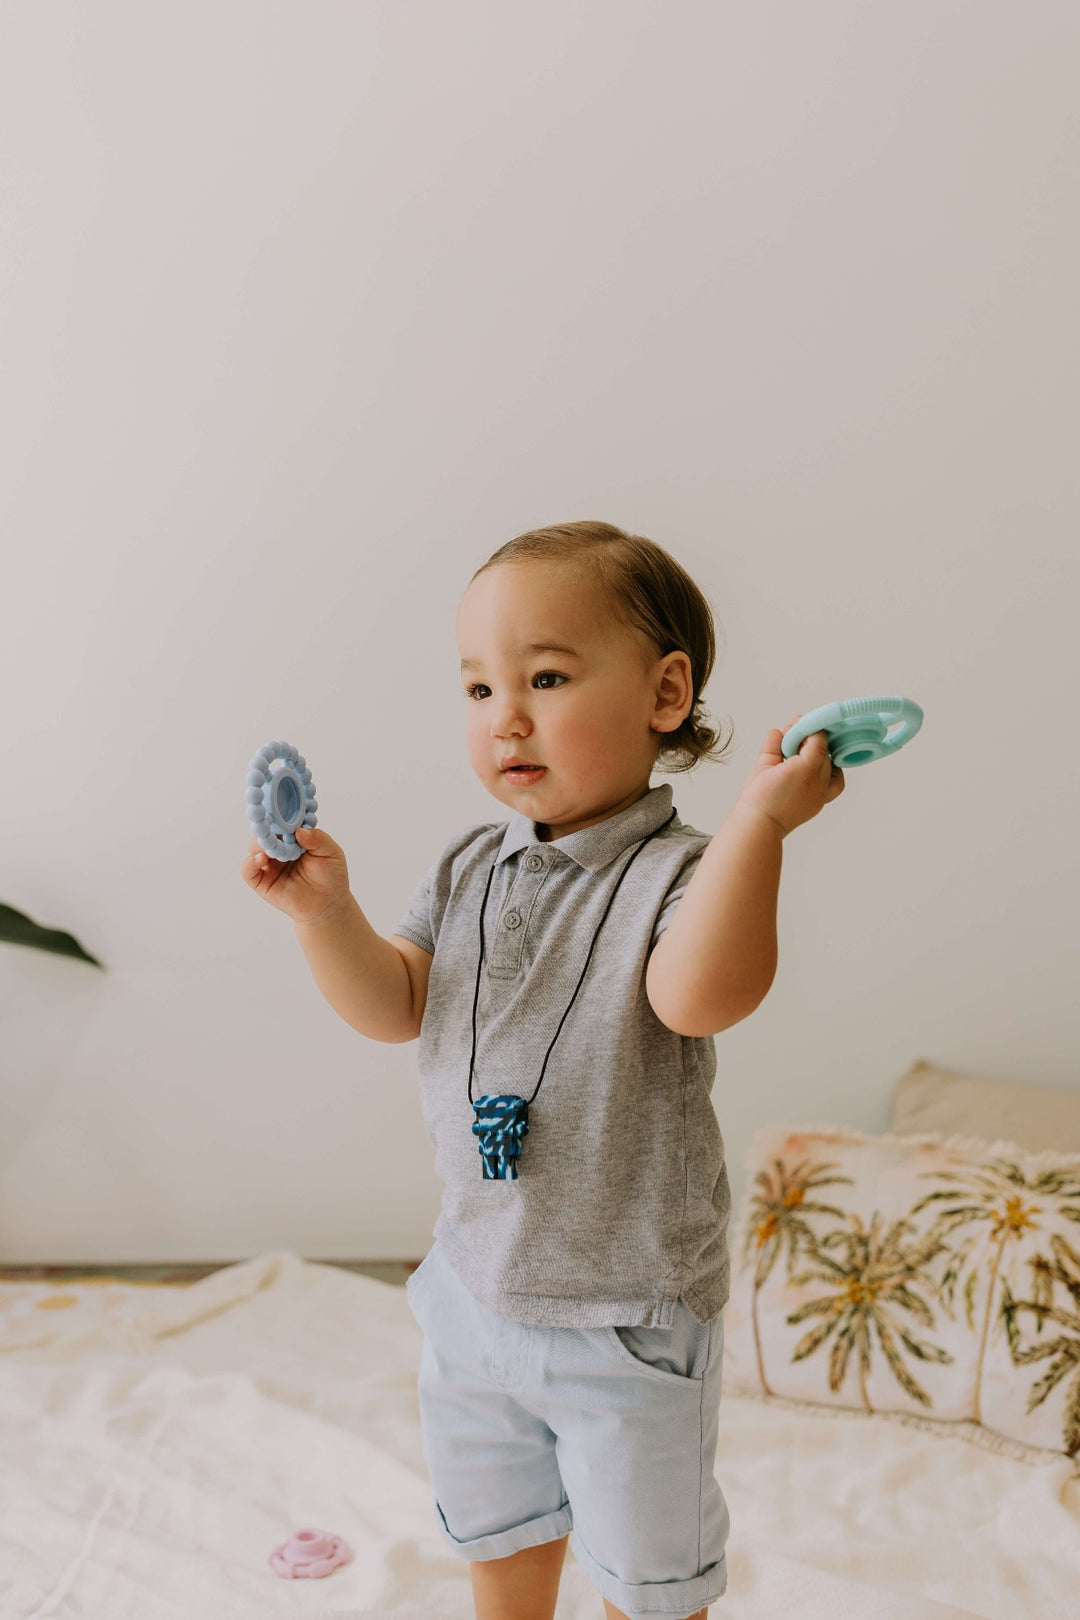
column 553, row 1310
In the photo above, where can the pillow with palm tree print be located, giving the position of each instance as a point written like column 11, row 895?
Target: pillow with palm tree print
column 935, row 1279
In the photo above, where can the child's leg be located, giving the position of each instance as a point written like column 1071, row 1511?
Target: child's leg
column 612, row 1613
column 524, row 1586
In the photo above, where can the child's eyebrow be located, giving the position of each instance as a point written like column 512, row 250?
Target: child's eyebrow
column 529, row 647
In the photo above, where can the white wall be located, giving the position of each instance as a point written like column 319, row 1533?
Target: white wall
column 306, row 310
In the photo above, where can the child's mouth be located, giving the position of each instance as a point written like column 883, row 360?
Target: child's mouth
column 525, row 775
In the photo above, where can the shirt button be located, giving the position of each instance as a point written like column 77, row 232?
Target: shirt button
column 512, row 919
column 534, row 863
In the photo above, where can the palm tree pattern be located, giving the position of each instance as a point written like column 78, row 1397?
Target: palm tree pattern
column 882, row 1281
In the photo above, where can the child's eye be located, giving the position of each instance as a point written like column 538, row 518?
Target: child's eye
column 476, row 685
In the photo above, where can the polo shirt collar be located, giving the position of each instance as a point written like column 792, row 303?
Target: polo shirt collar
column 594, row 847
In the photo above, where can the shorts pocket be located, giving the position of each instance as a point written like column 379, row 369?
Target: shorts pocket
column 678, row 1354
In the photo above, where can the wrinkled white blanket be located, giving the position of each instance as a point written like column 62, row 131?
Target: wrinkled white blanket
column 157, row 1443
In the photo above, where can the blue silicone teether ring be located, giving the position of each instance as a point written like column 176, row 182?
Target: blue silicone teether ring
column 856, row 729
column 280, row 797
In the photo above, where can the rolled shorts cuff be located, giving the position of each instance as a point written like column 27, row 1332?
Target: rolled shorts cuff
column 533, row 1533
column 676, row 1600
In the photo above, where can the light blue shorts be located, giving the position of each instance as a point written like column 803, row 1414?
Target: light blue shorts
column 611, row 1432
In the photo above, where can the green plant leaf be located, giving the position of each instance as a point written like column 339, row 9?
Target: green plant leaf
column 18, row 929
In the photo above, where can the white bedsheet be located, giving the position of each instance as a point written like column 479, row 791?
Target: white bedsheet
column 157, row 1443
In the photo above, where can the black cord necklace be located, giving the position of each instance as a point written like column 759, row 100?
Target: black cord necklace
column 502, row 1121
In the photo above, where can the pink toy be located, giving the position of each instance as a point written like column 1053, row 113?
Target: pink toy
column 309, row 1552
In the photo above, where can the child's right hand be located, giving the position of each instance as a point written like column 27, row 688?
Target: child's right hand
column 309, row 889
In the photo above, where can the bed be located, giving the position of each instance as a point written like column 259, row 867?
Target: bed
column 158, row 1443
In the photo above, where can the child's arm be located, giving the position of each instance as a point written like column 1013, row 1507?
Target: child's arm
column 717, row 958
column 362, row 975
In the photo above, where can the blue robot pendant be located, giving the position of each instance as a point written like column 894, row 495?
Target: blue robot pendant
column 501, row 1124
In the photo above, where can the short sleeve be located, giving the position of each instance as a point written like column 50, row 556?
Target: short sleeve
column 416, row 923
column 431, row 895
column 672, row 898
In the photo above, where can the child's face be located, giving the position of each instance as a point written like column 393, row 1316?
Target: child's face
column 592, row 721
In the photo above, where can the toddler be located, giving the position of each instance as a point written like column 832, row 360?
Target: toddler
column 565, row 970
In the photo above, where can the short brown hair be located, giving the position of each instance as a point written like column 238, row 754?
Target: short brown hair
column 650, row 592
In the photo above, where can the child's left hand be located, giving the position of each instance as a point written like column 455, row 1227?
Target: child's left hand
column 791, row 791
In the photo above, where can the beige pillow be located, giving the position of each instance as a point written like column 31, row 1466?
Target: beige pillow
column 929, row 1098
column 898, row 1276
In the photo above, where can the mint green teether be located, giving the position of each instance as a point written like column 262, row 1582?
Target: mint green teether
column 280, row 797
column 856, row 729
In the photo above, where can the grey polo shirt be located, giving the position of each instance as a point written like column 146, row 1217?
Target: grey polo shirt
column 621, row 1202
